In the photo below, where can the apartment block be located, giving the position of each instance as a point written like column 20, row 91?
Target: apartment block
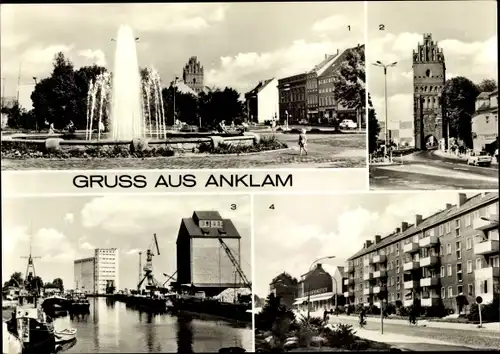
column 432, row 261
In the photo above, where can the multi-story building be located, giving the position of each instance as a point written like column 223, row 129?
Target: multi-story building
column 329, row 108
column 262, row 101
column 84, row 275
column 323, row 287
column 95, row 275
column 292, row 96
column 485, row 122
column 312, row 86
column 285, row 287
column 454, row 252
column 202, row 259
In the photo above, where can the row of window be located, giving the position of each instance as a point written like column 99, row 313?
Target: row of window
column 328, row 80
column 442, row 229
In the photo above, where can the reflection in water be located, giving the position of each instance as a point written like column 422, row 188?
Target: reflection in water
column 111, row 327
column 184, row 335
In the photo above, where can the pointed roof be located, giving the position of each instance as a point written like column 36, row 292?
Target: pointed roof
column 333, row 67
column 260, row 86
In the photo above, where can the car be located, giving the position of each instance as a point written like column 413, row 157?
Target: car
column 303, row 121
column 348, row 124
column 480, row 159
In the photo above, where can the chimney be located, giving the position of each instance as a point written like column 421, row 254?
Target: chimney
column 326, row 56
column 318, row 265
column 462, row 198
column 337, row 51
column 404, row 225
column 378, row 238
column 448, row 206
column 418, row 219
column 398, row 230
column 368, row 243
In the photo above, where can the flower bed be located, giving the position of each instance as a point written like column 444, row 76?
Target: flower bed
column 266, row 143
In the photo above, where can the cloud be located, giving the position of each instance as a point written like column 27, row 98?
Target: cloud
column 97, row 56
column 332, row 24
column 69, row 218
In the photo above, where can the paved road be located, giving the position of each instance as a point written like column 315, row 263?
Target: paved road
column 427, row 170
column 425, row 338
column 325, row 151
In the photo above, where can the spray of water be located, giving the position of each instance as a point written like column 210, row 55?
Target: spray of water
column 127, row 120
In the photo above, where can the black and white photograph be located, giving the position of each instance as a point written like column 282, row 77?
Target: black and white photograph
column 183, row 86
column 127, row 274
column 432, row 69
column 377, row 271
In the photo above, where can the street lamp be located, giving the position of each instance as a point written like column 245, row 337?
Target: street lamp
column 309, row 285
column 380, row 64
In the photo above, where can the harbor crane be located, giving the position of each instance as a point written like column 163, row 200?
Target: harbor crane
column 151, row 282
column 235, row 264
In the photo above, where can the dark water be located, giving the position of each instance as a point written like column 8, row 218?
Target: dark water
column 111, row 327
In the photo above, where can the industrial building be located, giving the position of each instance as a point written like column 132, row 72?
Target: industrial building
column 432, row 261
column 208, row 253
column 96, row 275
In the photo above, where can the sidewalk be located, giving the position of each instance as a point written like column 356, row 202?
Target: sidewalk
column 458, row 157
column 493, row 327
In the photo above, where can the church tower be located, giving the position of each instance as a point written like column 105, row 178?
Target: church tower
column 429, row 76
column 192, row 74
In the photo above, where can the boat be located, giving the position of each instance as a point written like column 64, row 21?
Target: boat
column 65, row 335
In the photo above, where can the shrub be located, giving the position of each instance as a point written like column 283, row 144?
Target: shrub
column 341, row 336
column 266, row 143
column 390, row 309
column 489, row 312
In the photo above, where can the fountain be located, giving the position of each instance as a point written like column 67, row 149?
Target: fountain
column 126, row 116
column 97, row 104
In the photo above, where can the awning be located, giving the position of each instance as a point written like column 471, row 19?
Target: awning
column 320, row 297
column 299, row 300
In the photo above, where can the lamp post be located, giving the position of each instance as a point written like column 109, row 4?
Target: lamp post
column 380, row 64
column 309, row 285
column 336, row 299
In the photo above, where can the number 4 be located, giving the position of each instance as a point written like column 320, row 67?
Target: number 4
column 271, row 207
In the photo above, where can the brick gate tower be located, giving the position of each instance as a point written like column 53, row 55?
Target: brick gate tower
column 429, row 76
column 193, row 74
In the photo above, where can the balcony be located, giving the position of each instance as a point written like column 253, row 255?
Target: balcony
column 408, row 266
column 487, row 247
column 379, row 259
column 482, row 225
column 380, row 274
column 487, row 273
column 428, row 261
column 368, row 291
column 379, row 289
column 368, row 276
column 429, row 302
column 411, row 247
column 411, row 284
column 429, row 281
column 429, row 241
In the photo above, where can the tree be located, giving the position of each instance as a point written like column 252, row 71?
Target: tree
column 58, row 283
column 14, row 115
column 16, row 279
column 349, row 81
column 487, row 85
column 459, row 98
column 373, row 127
column 218, row 105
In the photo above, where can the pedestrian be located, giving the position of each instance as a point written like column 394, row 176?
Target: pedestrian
column 496, row 154
column 303, row 142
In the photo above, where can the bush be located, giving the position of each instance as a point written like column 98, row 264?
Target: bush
column 341, row 336
column 489, row 312
column 390, row 309
column 266, row 143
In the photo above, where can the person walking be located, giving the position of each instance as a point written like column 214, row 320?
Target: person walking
column 302, row 142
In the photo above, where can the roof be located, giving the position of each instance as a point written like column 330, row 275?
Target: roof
column 260, row 86
column 338, row 60
column 228, row 230
column 440, row 216
column 483, row 95
column 324, row 64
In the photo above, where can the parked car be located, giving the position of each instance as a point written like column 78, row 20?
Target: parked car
column 348, row 124
column 480, row 159
column 303, row 121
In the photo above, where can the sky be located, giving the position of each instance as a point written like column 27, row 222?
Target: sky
column 465, row 30
column 63, row 229
column 237, row 43
column 303, row 228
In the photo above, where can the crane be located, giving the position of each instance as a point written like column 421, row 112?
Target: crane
column 235, row 263
column 148, row 267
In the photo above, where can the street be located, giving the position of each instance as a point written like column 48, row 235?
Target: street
column 427, row 170
column 423, row 338
column 346, row 150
